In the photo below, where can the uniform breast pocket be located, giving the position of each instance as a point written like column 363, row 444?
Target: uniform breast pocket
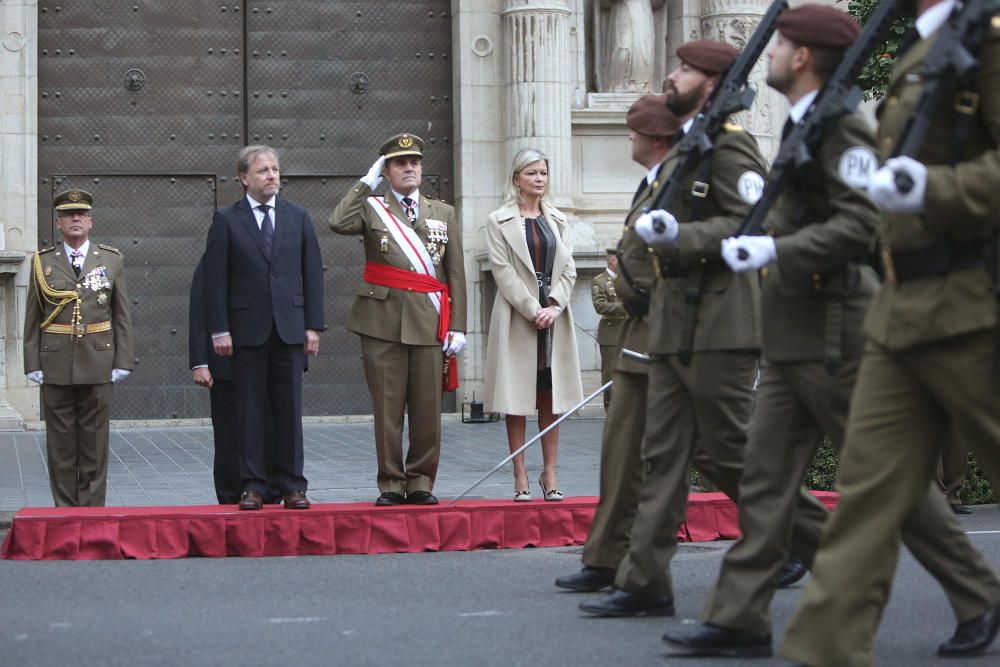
column 103, row 342
column 53, row 343
column 368, row 291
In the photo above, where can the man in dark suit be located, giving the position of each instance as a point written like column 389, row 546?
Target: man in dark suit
column 264, row 291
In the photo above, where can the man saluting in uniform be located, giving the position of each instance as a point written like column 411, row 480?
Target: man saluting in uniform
column 410, row 307
column 77, row 342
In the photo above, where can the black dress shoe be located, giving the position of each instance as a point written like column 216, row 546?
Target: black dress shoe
column 421, row 498
column 709, row 639
column 973, row 636
column 623, row 603
column 588, row 580
column 960, row 509
column 389, row 498
column 251, row 500
column 791, row 572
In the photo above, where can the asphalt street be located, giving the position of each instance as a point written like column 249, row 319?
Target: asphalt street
column 476, row 608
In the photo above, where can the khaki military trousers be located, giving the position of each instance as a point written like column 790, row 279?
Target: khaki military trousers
column 405, row 379
column 621, row 472
column 952, row 469
column 796, row 404
column 77, row 425
column 697, row 414
column 904, row 407
column 608, row 355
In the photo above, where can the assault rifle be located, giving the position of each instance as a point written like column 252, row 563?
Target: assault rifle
column 731, row 95
column 838, row 96
column 950, row 63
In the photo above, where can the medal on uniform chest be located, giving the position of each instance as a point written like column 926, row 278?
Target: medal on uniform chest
column 97, row 279
column 383, row 243
column 48, row 271
column 102, row 298
column 437, row 239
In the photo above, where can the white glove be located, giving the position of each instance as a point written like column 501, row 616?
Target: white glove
column 118, row 374
column 454, row 343
column 374, row 175
column 883, row 191
column 748, row 253
column 657, row 228
column 35, row 376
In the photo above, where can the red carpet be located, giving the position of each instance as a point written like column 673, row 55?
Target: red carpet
column 113, row 533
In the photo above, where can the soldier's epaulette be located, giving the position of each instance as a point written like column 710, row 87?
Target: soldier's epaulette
column 112, row 249
column 42, row 251
column 733, row 127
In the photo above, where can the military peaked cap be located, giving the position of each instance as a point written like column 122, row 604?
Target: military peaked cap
column 402, row 144
column 73, row 200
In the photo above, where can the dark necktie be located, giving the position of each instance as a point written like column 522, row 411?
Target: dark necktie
column 787, row 129
column 410, row 208
column 267, row 227
column 639, row 191
column 77, row 262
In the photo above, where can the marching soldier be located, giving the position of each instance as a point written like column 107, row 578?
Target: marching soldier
column 652, row 127
column 409, row 312
column 700, row 378
column 613, row 314
column 818, row 229
column 929, row 370
column 77, row 343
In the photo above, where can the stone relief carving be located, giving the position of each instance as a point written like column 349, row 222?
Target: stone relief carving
column 624, row 45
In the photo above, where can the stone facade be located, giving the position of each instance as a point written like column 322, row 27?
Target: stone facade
column 524, row 73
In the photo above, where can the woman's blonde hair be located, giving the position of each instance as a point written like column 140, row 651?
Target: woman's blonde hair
column 525, row 157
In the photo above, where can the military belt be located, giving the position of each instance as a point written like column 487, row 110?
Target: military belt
column 942, row 257
column 80, row 329
column 613, row 317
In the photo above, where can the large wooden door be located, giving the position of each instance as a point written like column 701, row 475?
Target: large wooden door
column 146, row 103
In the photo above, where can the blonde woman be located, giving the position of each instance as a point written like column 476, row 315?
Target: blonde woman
column 531, row 358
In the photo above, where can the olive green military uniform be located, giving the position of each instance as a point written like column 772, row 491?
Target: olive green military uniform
column 708, row 401
column 621, row 442
column 928, row 367
column 613, row 314
column 76, row 355
column 823, row 224
column 400, row 349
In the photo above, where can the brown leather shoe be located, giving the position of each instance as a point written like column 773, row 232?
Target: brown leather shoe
column 251, row 500
column 296, row 500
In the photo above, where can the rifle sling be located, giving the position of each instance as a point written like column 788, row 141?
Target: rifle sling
column 696, row 282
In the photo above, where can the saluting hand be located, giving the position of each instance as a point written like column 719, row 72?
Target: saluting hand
column 374, row 175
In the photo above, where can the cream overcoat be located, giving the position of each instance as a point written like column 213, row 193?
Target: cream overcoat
column 512, row 347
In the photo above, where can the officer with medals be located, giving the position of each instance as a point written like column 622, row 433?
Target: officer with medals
column 613, row 314
column 703, row 339
column 409, row 311
column 929, row 370
column 815, row 291
column 77, row 343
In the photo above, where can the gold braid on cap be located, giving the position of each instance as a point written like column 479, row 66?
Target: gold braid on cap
column 55, row 297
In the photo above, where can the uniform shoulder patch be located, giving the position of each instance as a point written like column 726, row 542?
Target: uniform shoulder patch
column 42, row 251
column 750, row 186
column 111, row 248
column 733, row 127
column 856, row 166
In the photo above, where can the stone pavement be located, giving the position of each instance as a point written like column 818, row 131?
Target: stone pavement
column 173, row 465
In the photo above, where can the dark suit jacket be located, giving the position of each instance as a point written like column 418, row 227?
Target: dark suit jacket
column 199, row 339
column 248, row 292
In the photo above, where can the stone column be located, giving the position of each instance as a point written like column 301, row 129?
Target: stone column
column 539, row 90
column 734, row 21
column 18, row 197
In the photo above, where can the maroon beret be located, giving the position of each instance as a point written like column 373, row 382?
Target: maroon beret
column 649, row 115
column 707, row 55
column 818, row 26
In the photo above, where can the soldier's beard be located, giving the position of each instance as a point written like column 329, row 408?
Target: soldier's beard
column 683, row 105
